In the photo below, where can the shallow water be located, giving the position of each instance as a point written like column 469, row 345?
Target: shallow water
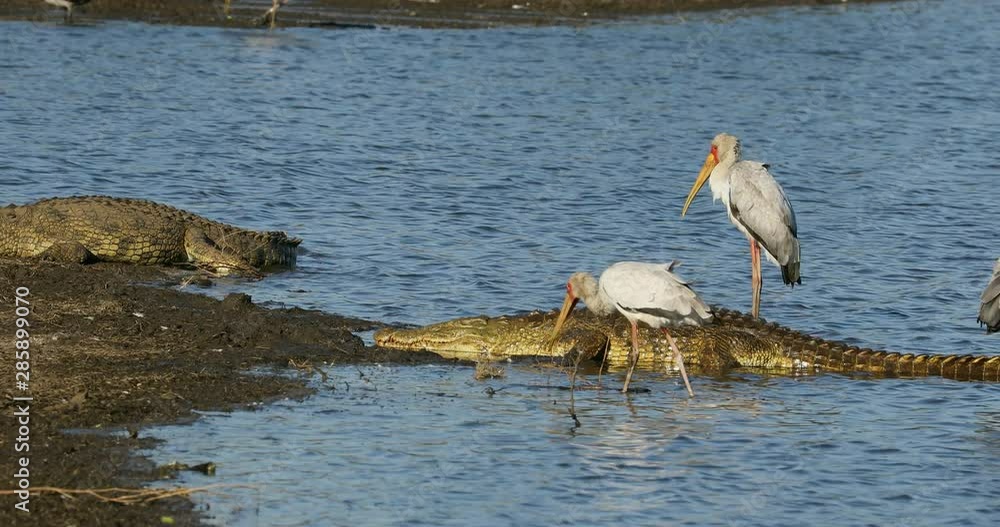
column 430, row 446
column 436, row 174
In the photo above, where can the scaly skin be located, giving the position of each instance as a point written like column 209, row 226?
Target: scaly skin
column 100, row 228
column 733, row 340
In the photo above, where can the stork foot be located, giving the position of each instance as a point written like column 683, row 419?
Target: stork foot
column 679, row 360
column 633, row 356
column 633, row 359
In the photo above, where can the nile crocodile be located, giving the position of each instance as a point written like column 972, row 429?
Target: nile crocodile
column 734, row 340
column 100, row 228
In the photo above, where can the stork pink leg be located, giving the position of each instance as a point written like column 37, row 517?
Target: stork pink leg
column 756, row 280
column 679, row 360
column 633, row 356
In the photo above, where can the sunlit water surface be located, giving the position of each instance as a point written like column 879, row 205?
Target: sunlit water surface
column 430, row 446
column 436, row 174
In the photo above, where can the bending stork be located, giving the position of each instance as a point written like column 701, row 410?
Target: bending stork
column 757, row 205
column 642, row 292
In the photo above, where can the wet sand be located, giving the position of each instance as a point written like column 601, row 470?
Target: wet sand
column 109, row 355
column 371, row 13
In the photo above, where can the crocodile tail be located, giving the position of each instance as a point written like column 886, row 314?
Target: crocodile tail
column 844, row 358
column 958, row 367
column 848, row 359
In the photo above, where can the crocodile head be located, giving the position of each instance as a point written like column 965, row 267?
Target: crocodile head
column 215, row 256
column 476, row 337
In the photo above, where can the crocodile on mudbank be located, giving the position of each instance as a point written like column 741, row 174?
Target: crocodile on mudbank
column 734, row 340
column 86, row 229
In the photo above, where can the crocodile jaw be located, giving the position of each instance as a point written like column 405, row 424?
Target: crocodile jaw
column 451, row 345
column 476, row 338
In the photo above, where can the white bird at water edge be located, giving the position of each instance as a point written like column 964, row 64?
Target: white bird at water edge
column 641, row 292
column 989, row 307
column 756, row 205
column 271, row 15
column 67, row 5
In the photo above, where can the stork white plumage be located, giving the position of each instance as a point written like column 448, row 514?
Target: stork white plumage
column 756, row 205
column 642, row 292
column 989, row 308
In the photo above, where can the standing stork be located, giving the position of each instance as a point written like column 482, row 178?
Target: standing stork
column 271, row 15
column 989, row 309
column 67, row 5
column 642, row 292
column 757, row 205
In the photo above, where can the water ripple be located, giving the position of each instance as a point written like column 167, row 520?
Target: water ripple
column 431, row 180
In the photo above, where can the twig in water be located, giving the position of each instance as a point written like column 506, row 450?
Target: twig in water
column 572, row 391
column 128, row 496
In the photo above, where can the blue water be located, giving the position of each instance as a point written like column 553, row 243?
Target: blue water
column 436, row 174
column 428, row 446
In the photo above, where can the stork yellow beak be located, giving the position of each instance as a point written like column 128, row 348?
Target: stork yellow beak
column 706, row 170
column 568, row 304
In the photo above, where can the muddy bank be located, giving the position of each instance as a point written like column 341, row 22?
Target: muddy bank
column 110, row 354
column 351, row 13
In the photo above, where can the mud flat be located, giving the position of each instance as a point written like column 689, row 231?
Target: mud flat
column 116, row 348
column 371, row 13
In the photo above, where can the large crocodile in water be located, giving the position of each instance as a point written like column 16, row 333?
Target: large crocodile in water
column 100, row 228
column 734, row 340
